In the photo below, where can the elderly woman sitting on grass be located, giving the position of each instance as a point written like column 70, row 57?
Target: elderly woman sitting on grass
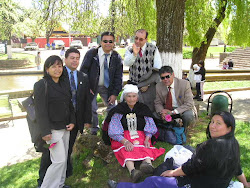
column 131, row 128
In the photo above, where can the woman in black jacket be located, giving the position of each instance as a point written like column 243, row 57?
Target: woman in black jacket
column 215, row 162
column 55, row 117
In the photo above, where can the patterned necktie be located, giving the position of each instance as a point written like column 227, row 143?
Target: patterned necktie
column 73, row 88
column 140, row 53
column 169, row 105
column 106, row 71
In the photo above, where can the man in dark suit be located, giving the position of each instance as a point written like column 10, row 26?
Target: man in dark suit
column 78, row 84
column 103, row 65
column 181, row 100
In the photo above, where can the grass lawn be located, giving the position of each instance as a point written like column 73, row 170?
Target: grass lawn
column 97, row 172
column 187, row 51
column 18, row 56
column 225, row 85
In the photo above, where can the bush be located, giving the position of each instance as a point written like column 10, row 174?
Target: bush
column 187, row 54
column 230, row 49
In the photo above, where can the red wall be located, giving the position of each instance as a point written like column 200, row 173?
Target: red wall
column 41, row 41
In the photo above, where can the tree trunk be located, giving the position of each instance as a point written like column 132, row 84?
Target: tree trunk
column 9, row 51
column 113, row 16
column 201, row 52
column 170, row 25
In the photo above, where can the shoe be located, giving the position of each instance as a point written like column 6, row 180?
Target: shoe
column 112, row 184
column 200, row 99
column 136, row 175
column 196, row 97
column 66, row 186
column 146, row 168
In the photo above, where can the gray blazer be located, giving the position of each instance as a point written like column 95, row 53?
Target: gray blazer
column 183, row 95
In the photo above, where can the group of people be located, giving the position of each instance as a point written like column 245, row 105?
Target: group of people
column 228, row 65
column 66, row 102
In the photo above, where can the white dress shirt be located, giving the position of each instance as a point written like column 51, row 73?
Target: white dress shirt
column 101, row 55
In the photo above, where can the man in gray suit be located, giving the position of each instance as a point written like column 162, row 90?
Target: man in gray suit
column 181, row 101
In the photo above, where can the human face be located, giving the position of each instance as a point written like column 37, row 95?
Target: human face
column 131, row 99
column 167, row 81
column 72, row 61
column 107, row 47
column 217, row 127
column 140, row 39
column 55, row 71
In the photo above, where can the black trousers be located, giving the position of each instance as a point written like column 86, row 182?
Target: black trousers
column 46, row 162
column 198, row 89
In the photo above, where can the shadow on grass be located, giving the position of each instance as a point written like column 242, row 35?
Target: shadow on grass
column 20, row 175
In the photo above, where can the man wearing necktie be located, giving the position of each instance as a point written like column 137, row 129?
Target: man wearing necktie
column 174, row 96
column 104, row 68
column 78, row 84
column 144, row 61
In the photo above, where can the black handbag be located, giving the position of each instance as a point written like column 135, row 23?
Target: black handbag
column 29, row 106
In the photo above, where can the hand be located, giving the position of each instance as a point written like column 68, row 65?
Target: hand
column 112, row 99
column 167, row 173
column 135, row 50
column 247, row 184
column 87, row 125
column 69, row 127
column 144, row 88
column 165, row 112
column 129, row 146
column 146, row 143
column 47, row 137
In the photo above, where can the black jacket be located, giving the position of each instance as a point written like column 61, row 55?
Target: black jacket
column 83, row 99
column 91, row 67
column 203, row 168
column 54, row 110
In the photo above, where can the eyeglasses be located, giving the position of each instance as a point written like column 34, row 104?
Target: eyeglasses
column 163, row 77
column 107, row 41
column 140, row 39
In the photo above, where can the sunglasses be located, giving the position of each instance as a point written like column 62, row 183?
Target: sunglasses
column 140, row 39
column 163, row 77
column 107, row 41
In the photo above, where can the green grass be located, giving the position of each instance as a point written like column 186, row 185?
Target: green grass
column 122, row 51
column 93, row 172
column 18, row 56
column 187, row 51
column 215, row 50
column 225, row 85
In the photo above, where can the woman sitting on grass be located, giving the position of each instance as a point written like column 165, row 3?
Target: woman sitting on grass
column 215, row 162
column 131, row 128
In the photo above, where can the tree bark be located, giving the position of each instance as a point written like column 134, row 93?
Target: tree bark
column 170, row 26
column 201, row 52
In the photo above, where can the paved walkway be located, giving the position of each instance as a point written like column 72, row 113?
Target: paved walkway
column 15, row 144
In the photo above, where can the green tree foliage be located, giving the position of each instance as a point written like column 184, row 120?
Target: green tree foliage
column 11, row 13
column 134, row 14
column 240, row 25
column 83, row 16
